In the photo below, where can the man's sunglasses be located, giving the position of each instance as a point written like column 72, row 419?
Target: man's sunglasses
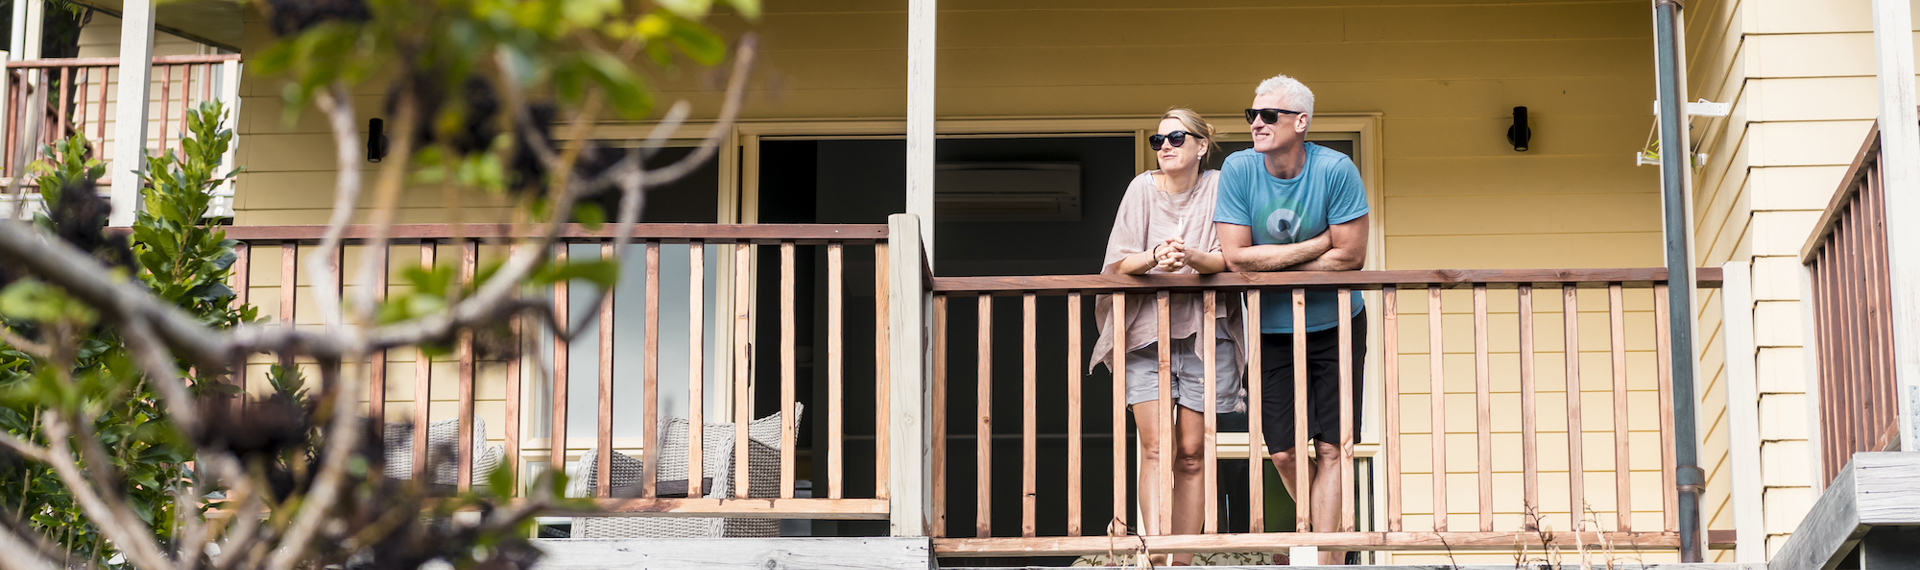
column 1178, row 138
column 1268, row 116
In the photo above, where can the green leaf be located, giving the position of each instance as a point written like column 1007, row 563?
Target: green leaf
column 590, row 215
column 602, row 273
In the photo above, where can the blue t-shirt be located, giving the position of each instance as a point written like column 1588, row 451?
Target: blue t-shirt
column 1328, row 191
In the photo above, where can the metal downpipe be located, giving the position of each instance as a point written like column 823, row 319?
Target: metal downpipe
column 1675, row 189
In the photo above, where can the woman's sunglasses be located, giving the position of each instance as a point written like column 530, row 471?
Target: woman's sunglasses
column 1268, row 116
column 1178, row 138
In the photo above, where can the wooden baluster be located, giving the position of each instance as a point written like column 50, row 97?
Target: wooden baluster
column 82, row 77
column 422, row 391
column 1437, row 406
column 939, row 421
column 983, row 422
column 1576, row 468
column 557, row 436
column 242, row 276
column 1390, row 383
column 186, row 94
column 1874, row 190
column 836, row 400
column 1118, row 326
column 1029, row 412
column 788, row 369
column 1529, row 417
column 1345, row 331
column 1302, row 477
column 289, row 280
column 1622, row 461
column 882, row 350
column 1664, row 376
column 1073, row 414
column 1163, row 490
column 16, row 113
column 650, row 377
column 742, row 360
column 603, row 425
column 100, row 126
column 1209, row 476
column 514, row 391
column 696, row 368
column 1256, row 439
column 377, row 365
column 469, row 258
column 60, row 114
column 1483, row 405
column 166, row 101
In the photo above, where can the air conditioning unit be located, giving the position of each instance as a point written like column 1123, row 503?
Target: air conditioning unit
column 1007, row 191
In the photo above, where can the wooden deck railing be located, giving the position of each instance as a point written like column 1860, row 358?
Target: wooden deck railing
column 1506, row 411
column 267, row 252
column 1846, row 258
column 75, row 96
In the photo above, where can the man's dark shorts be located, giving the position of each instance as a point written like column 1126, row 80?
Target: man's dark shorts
column 1323, row 381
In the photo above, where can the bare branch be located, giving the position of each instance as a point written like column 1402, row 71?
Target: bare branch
column 24, row 448
column 343, row 437
column 247, row 507
column 393, row 174
column 17, row 554
column 337, row 102
column 20, row 343
column 130, row 535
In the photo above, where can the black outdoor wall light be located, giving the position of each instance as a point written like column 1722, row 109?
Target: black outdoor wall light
column 1519, row 133
column 376, row 140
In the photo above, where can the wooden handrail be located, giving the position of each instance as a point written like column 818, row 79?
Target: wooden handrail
column 664, row 233
column 1863, row 162
column 99, row 61
column 1707, row 277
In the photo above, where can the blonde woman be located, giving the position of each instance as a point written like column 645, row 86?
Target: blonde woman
column 1165, row 226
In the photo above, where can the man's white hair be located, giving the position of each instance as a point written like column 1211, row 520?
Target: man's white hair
column 1295, row 94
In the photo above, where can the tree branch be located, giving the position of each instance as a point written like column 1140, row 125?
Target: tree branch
column 131, row 536
column 337, row 102
column 17, row 554
column 343, row 437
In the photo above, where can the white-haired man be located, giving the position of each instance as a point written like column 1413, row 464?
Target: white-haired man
column 1291, row 205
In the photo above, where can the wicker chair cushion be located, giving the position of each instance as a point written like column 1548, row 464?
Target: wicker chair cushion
column 442, row 437
column 763, row 471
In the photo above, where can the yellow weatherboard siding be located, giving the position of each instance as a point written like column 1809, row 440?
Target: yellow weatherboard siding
column 1800, row 77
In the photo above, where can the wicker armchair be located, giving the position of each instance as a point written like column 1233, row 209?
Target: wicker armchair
column 763, row 470
column 442, row 437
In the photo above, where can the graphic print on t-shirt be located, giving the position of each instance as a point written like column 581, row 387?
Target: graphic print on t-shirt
column 1282, row 219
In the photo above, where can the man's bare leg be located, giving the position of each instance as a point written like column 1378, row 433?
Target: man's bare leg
column 1328, row 484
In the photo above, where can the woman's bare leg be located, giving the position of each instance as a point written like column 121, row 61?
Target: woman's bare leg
column 1189, row 476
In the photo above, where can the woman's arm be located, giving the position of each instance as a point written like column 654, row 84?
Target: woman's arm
column 1136, row 264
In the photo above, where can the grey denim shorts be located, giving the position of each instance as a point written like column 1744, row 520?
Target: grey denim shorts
column 1189, row 375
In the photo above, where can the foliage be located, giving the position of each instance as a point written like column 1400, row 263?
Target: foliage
column 185, row 260
column 182, row 261
column 87, row 386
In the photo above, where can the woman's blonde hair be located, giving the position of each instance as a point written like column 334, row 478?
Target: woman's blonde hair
column 1194, row 124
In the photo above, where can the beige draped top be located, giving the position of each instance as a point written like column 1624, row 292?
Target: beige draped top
column 1147, row 217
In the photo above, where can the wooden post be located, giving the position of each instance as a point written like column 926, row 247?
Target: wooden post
column 909, row 455
column 1900, row 180
column 130, row 113
column 1743, row 411
column 1810, row 358
column 920, row 124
